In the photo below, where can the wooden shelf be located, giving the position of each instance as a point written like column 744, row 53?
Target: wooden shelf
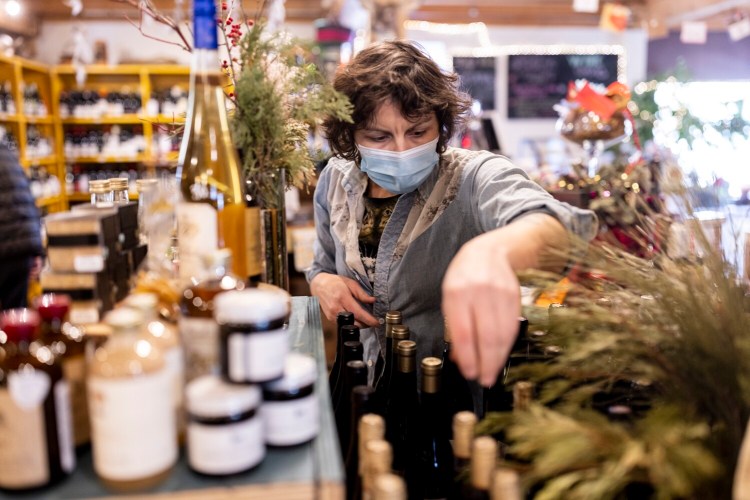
column 106, row 159
column 42, row 120
column 9, row 118
column 106, row 120
column 36, row 162
column 167, row 119
column 45, row 202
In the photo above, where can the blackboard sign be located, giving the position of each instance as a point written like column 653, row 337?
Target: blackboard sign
column 537, row 82
column 477, row 78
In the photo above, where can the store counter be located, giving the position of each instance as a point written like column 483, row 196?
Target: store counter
column 312, row 470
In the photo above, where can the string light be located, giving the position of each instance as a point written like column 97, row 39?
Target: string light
column 12, row 8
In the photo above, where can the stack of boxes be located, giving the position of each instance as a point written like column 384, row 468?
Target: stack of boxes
column 93, row 251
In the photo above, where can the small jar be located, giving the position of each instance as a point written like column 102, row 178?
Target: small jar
column 290, row 407
column 119, row 187
column 253, row 336
column 101, row 193
column 225, row 430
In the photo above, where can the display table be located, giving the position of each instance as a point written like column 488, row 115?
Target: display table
column 312, row 470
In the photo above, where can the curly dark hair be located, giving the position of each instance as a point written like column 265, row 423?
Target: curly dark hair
column 403, row 73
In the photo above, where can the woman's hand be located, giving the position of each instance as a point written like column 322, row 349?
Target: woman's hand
column 482, row 296
column 338, row 293
column 481, row 304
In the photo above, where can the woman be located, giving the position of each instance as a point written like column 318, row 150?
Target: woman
column 406, row 223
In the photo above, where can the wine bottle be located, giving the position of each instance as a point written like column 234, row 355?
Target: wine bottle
column 252, row 233
column 402, row 410
column 499, row 398
column 483, row 460
column 383, row 390
column 463, row 435
column 211, row 213
column 37, row 448
column 67, row 343
column 334, row 378
column 456, row 388
column 355, row 373
column 378, row 456
column 198, row 329
column 392, row 318
column 361, row 430
column 432, row 477
column 132, row 450
column 389, row 487
column 506, row 485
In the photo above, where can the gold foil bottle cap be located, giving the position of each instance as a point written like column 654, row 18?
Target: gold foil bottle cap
column 378, row 460
column 483, row 460
column 142, row 185
column 523, row 394
column 399, row 333
column 407, row 348
column 463, row 433
column 431, row 366
column 392, row 318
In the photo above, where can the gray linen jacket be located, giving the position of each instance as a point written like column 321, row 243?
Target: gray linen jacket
column 469, row 193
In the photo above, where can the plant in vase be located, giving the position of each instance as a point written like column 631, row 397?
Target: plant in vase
column 276, row 97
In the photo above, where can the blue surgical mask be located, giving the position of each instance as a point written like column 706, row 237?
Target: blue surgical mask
column 399, row 172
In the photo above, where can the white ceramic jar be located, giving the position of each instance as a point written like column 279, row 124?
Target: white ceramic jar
column 254, row 339
column 290, row 407
column 225, row 427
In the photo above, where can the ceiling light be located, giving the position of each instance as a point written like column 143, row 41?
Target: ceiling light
column 12, row 8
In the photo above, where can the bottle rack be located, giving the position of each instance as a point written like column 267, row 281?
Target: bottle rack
column 122, row 100
column 31, row 120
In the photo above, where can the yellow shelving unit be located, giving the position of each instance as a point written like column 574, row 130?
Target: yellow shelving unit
column 146, row 80
column 21, row 72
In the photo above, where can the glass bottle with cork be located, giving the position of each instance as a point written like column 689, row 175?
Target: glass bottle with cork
column 402, row 411
column 35, row 419
column 133, row 428
column 211, row 213
column 68, row 344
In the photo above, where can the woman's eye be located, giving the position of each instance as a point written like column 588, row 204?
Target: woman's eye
column 418, row 133
column 378, row 138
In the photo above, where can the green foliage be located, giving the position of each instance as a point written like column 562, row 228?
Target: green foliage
column 667, row 339
column 279, row 97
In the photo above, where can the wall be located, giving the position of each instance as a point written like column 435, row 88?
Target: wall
column 513, row 132
column 126, row 44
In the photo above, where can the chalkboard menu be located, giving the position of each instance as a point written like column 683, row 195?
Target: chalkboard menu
column 537, row 82
column 477, row 78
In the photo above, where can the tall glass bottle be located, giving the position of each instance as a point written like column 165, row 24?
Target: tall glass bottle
column 133, row 429
column 361, row 430
column 483, row 460
column 396, row 333
column 67, row 343
column 347, row 333
column 254, row 252
column 165, row 336
column 342, row 318
column 211, row 213
column 463, row 435
column 434, row 462
column 35, row 423
column 199, row 331
column 455, row 387
column 382, row 369
column 499, row 397
column 402, row 411
column 378, row 456
column 355, row 373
